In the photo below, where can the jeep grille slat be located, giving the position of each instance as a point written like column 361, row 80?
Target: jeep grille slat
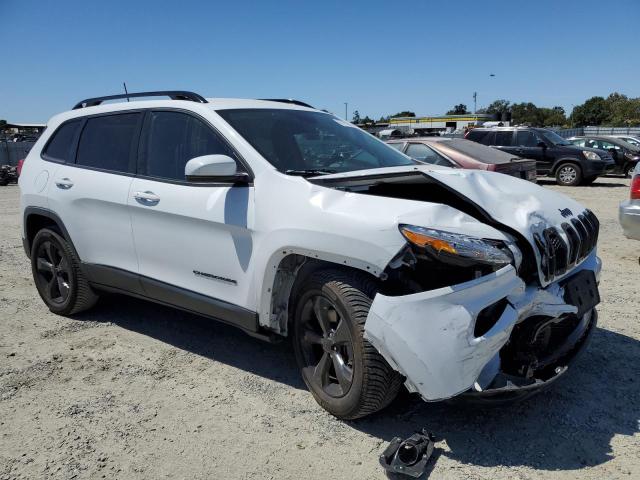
column 558, row 255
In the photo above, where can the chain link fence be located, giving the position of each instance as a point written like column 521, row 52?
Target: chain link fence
column 571, row 132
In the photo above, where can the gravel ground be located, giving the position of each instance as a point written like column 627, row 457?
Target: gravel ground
column 134, row 390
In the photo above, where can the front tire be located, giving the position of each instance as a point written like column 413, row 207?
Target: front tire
column 344, row 372
column 57, row 275
column 569, row 175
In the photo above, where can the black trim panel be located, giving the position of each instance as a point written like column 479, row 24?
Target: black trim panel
column 113, row 277
column 122, row 281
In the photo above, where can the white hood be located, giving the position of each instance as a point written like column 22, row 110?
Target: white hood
column 521, row 205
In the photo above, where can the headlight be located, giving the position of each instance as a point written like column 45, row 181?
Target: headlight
column 591, row 155
column 455, row 246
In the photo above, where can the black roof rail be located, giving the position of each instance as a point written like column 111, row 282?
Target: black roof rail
column 287, row 100
column 173, row 94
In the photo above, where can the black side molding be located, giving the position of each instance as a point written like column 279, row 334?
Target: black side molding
column 129, row 283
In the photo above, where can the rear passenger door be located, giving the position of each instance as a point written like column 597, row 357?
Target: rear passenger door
column 190, row 237
column 90, row 189
column 527, row 144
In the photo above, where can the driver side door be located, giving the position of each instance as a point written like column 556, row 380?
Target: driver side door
column 189, row 237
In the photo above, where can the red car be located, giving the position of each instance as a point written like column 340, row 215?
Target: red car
column 461, row 153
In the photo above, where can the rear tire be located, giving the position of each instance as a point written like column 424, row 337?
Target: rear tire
column 57, row 275
column 343, row 371
column 569, row 175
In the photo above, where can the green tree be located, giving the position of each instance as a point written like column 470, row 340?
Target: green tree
column 526, row 114
column 406, row 113
column 623, row 111
column 367, row 120
column 356, row 117
column 594, row 111
column 553, row 117
column 497, row 106
column 460, row 109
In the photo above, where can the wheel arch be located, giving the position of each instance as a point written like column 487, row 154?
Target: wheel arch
column 37, row 218
column 561, row 161
column 285, row 273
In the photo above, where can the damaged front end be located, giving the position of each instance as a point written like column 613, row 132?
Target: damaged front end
column 491, row 336
column 494, row 296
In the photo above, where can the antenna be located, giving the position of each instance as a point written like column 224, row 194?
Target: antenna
column 125, row 90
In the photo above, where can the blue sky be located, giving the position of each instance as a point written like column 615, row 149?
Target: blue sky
column 377, row 56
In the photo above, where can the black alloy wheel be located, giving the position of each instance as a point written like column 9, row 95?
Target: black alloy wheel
column 53, row 272
column 57, row 274
column 345, row 374
column 327, row 347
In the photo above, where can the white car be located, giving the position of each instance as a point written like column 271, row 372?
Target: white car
column 287, row 221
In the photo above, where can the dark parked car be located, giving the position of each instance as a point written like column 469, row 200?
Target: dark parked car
column 461, row 153
column 571, row 165
column 624, row 153
column 8, row 174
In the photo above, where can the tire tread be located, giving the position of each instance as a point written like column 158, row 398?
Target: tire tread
column 381, row 383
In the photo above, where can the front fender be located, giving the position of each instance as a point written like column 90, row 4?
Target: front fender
column 334, row 249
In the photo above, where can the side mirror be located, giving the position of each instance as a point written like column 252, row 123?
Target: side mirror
column 214, row 168
column 542, row 144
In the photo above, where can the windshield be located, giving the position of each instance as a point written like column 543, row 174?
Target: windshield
column 296, row 141
column 554, row 138
column 632, row 141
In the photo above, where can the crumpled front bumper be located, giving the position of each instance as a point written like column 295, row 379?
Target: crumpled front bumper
column 429, row 336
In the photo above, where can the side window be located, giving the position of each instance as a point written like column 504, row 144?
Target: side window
column 526, row 138
column 62, row 142
column 174, row 138
column 608, row 146
column 109, row 142
column 476, row 135
column 422, row 153
column 504, row 138
column 488, row 139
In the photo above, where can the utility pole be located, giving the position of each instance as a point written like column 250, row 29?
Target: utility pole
column 475, row 98
column 346, row 106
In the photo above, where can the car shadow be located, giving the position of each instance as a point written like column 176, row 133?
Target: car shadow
column 568, row 427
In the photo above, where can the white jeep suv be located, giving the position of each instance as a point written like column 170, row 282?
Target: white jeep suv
column 287, row 221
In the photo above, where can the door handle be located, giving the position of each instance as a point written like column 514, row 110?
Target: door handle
column 146, row 198
column 64, row 183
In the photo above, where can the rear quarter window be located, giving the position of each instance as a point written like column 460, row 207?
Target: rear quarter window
column 62, row 143
column 476, row 135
